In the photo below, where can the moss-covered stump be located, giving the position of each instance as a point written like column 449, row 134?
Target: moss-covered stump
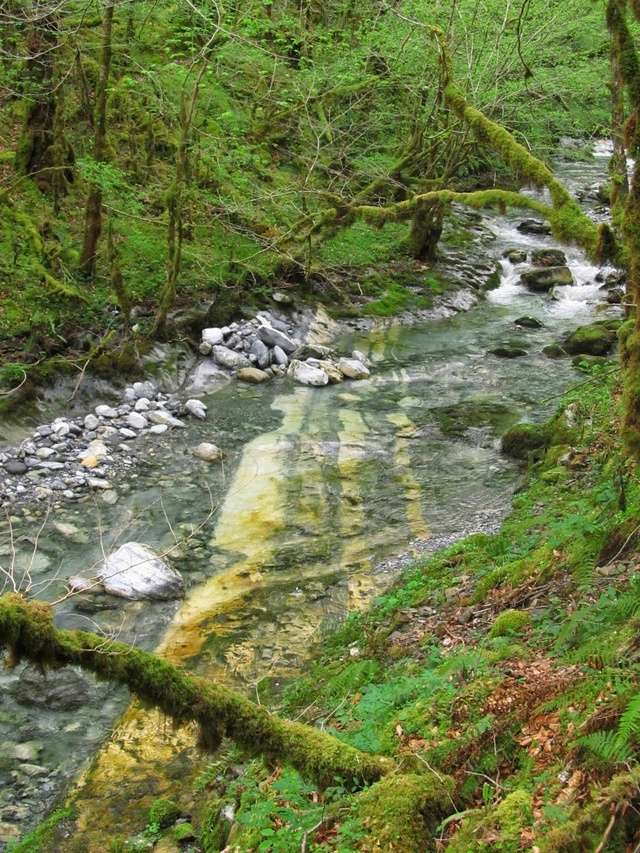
column 593, row 339
column 522, row 439
column 543, row 279
column 400, row 813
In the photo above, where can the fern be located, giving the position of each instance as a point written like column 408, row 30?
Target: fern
column 629, row 726
column 607, row 747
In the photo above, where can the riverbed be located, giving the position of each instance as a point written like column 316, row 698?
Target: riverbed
column 320, row 490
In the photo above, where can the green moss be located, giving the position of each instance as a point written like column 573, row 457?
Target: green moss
column 184, row 832
column 41, row 839
column 593, row 339
column 164, row 813
column 496, row 829
column 523, row 439
column 510, row 622
column 400, row 813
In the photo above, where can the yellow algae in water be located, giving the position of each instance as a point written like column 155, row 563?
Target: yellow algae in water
column 412, row 490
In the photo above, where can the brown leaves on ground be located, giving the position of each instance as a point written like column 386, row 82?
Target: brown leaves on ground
column 528, row 684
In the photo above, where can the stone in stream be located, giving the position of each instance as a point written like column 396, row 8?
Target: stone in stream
column 548, row 258
column 91, row 422
column 144, row 389
column 159, row 416
column 353, row 369
column 230, row 359
column 137, row 421
column 136, row 572
column 14, row 466
column 509, row 350
column 142, row 405
column 158, row 429
column 330, row 368
column 544, row 279
column 207, row 452
column 253, row 375
column 106, row 412
column 275, row 338
column 212, row 337
column 312, row 351
column 307, row 374
column 280, row 357
column 516, row 256
column 534, row 226
column 593, row 339
column 527, row 322
column 76, row 583
column 196, row 408
column 96, row 448
column 261, row 351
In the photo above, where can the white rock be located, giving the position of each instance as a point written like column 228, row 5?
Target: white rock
column 160, row 416
column 128, row 433
column 45, row 452
column 61, row 428
column 135, row 571
column 196, row 408
column 91, row 422
column 212, row 336
column 353, row 369
column 158, row 429
column 360, row 356
column 98, row 483
column 105, row 412
column 96, row 448
column 306, row 374
column 205, row 348
column 226, row 357
column 207, row 452
column 146, row 389
column 142, row 405
column 137, row 421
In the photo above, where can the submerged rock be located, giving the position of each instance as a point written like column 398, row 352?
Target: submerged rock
column 135, row 572
column 509, row 350
column 207, row 452
column 527, row 322
column 543, row 279
column 516, row 256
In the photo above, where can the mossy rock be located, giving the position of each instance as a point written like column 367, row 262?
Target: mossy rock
column 510, row 622
column 456, row 419
column 587, row 363
column 548, row 258
column 593, row 339
column 509, row 349
column 164, row 813
column 528, row 322
column 184, row 832
column 554, row 351
column 516, row 256
column 522, row 439
column 544, row 279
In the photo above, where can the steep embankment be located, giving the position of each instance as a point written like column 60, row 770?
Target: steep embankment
column 508, row 662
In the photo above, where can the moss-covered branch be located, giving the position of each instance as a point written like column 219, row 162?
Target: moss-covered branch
column 27, row 632
column 567, row 220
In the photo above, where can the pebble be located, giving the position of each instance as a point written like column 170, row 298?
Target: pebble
column 137, row 421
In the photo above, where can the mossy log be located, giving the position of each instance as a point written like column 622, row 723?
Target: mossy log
column 27, row 632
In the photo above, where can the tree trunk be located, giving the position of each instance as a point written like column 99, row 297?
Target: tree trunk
column 117, row 281
column 426, row 230
column 618, row 162
column 93, row 212
column 34, row 152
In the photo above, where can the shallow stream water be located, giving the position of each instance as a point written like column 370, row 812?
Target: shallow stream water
column 319, row 490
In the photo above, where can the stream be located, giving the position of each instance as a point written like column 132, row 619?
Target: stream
column 320, row 491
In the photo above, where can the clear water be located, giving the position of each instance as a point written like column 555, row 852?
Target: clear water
column 318, row 489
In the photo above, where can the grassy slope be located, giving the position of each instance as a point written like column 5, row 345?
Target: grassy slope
column 505, row 662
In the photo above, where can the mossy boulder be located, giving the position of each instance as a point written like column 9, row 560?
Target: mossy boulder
column 527, row 322
column 516, row 256
column 510, row 622
column 534, row 226
column 593, row 339
column 509, row 349
column 522, row 439
column 456, row 419
column 548, row 258
column 554, row 351
column 544, row 279
column 164, row 813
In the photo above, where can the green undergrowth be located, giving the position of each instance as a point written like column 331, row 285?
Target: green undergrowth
column 40, row 840
column 506, row 662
